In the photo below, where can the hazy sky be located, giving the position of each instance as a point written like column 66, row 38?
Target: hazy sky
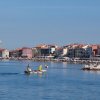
column 32, row 22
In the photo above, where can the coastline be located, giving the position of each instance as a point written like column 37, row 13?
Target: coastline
column 71, row 60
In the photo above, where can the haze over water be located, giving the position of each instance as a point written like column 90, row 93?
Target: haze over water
column 61, row 82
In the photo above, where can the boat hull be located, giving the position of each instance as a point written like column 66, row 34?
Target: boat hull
column 91, row 67
column 35, row 72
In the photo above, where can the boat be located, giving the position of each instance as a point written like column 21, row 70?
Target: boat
column 28, row 72
column 94, row 67
column 38, row 71
column 34, row 72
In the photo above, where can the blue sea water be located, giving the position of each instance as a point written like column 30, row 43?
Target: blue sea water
column 62, row 81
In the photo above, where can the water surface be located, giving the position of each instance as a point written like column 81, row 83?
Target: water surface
column 61, row 82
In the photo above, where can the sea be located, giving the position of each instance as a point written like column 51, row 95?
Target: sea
column 62, row 81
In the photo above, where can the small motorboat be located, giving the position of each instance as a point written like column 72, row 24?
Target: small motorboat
column 28, row 72
column 46, row 66
column 94, row 67
column 38, row 71
column 35, row 72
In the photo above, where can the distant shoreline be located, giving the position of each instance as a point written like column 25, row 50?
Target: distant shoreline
column 71, row 60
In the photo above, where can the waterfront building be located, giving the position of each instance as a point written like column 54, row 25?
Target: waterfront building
column 34, row 52
column 79, row 51
column 52, row 48
column 15, row 53
column 4, row 53
column 53, row 51
column 97, row 53
column 88, row 51
column 43, row 50
column 46, row 50
column 24, row 52
column 71, row 52
column 65, row 50
column 94, row 49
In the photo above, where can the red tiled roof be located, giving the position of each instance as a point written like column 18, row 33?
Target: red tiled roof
column 1, row 49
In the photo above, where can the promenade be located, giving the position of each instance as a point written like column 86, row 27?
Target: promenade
column 69, row 60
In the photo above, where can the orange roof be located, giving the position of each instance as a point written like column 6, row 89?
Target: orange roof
column 42, row 46
column 1, row 49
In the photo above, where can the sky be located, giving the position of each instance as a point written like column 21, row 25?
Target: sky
column 27, row 23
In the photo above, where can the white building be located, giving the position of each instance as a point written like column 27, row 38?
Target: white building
column 65, row 51
column 53, row 49
column 5, row 53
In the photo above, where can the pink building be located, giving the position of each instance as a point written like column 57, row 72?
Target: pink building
column 27, row 52
column 94, row 49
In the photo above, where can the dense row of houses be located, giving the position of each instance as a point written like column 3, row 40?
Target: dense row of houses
column 53, row 51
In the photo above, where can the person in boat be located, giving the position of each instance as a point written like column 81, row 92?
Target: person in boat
column 46, row 66
column 40, row 68
column 28, row 68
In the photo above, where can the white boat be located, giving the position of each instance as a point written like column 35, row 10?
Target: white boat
column 38, row 71
column 35, row 72
column 91, row 67
column 44, row 70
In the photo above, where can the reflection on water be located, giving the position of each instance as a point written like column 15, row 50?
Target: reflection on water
column 62, row 81
column 92, row 72
column 37, row 75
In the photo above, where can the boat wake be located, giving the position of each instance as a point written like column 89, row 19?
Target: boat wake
column 9, row 73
